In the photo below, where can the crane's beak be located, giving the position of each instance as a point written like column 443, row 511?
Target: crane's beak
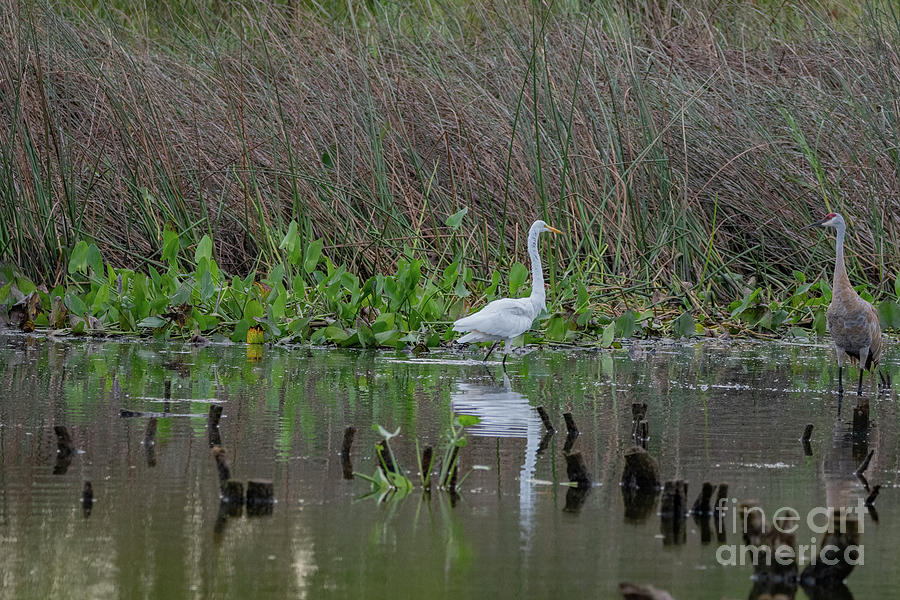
column 816, row 224
column 553, row 229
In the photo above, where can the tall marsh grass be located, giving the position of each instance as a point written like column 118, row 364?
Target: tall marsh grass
column 681, row 145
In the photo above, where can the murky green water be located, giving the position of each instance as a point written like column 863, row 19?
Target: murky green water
column 720, row 413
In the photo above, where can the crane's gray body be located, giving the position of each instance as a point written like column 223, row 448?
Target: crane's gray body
column 852, row 322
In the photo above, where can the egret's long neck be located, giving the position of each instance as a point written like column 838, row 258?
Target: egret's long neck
column 538, row 296
column 840, row 270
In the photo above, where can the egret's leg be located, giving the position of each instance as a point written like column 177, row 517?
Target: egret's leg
column 505, row 354
column 863, row 357
column 486, row 356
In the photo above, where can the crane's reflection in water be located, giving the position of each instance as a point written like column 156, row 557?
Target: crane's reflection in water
column 505, row 413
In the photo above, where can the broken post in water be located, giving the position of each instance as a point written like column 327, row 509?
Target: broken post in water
column 425, row 472
column 577, row 471
column 719, row 508
column 260, row 497
column 383, row 456
column 233, row 492
column 865, row 463
column 861, row 418
column 212, row 425
column 222, row 465
column 870, row 499
column 807, row 433
column 65, row 450
column 571, row 428
column 346, row 464
column 149, row 442
column 643, row 433
column 87, row 499
column 64, row 445
column 545, row 418
column 168, row 396
column 702, row 503
column 843, row 536
column 673, row 511
column 640, row 484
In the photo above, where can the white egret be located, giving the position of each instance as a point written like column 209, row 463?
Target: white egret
column 852, row 322
column 505, row 319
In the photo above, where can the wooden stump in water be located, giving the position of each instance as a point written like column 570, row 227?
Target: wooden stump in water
column 577, row 471
column 545, row 418
column 346, row 464
column 385, row 462
column 641, row 470
column 260, row 497
column 843, row 536
column 65, row 450
column 575, row 497
column 673, row 512
column 223, row 466
column 674, row 499
column 631, row 591
column 861, row 418
column 425, row 473
column 702, row 503
column 149, row 442
column 87, row 499
column 233, row 492
column 571, row 428
column 752, row 521
column 64, row 445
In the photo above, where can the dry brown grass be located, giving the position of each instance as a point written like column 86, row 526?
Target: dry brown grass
column 629, row 128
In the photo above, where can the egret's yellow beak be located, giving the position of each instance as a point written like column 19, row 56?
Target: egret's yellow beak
column 553, row 229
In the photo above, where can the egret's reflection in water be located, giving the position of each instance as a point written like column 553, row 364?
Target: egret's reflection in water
column 505, row 413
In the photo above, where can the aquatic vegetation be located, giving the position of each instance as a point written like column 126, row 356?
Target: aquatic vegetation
column 307, row 298
column 389, row 479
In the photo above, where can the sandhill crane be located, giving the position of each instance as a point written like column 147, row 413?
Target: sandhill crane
column 508, row 318
column 852, row 322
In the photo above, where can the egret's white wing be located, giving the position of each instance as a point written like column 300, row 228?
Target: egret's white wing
column 504, row 318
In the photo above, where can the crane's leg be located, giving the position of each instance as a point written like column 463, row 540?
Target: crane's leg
column 863, row 357
column 491, row 349
column 839, row 353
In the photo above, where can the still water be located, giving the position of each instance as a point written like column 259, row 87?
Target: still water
column 718, row 412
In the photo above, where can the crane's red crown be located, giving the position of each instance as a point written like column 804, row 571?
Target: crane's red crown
column 830, row 215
